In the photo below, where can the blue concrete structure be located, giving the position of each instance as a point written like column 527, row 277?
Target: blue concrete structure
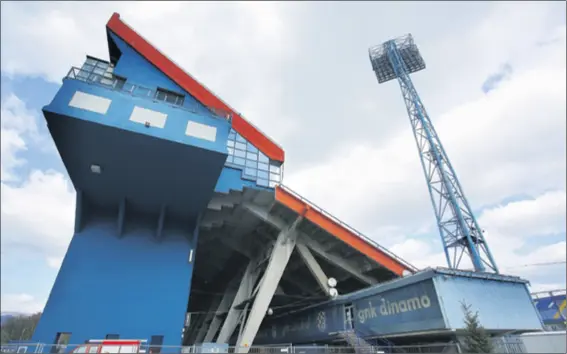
column 177, row 195
column 140, row 191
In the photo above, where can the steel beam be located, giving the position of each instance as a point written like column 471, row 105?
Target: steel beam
column 216, row 321
column 207, row 320
column 314, row 267
column 344, row 264
column 279, row 258
column 243, row 293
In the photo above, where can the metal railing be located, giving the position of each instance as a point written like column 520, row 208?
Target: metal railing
column 509, row 344
column 155, row 349
column 548, row 293
column 117, row 84
column 348, row 227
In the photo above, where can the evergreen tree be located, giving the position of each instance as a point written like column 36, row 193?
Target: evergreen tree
column 476, row 339
column 19, row 328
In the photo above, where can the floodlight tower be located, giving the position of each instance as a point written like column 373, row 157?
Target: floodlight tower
column 458, row 228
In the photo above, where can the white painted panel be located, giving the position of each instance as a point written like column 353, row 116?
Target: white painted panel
column 201, row 131
column 90, row 102
column 143, row 115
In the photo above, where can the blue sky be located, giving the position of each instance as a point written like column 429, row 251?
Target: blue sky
column 494, row 87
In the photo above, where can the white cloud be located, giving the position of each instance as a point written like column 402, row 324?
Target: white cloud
column 22, row 303
column 17, row 122
column 55, row 262
column 544, row 215
column 37, row 210
column 537, row 287
column 39, row 214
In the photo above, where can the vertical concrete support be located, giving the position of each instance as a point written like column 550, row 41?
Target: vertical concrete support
column 314, row 267
column 216, row 322
column 244, row 293
column 279, row 258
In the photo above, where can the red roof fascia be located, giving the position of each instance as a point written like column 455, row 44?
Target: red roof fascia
column 317, row 217
column 189, row 84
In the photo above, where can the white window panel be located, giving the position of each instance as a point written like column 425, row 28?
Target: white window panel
column 88, row 102
column 201, row 131
column 144, row 115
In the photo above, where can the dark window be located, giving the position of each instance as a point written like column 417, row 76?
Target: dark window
column 160, row 95
column 156, row 343
column 113, row 336
column 61, row 341
column 169, row 97
column 119, row 82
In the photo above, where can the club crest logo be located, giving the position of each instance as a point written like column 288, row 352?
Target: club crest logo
column 321, row 321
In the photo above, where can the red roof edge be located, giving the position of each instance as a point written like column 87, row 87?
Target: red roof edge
column 192, row 86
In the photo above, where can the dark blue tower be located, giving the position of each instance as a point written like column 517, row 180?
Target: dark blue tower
column 458, row 227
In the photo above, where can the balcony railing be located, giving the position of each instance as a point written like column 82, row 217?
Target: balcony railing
column 118, row 84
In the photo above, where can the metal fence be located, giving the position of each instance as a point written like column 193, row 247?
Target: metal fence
column 509, row 344
column 149, row 349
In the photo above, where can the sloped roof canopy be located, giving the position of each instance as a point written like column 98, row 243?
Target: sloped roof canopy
column 189, row 84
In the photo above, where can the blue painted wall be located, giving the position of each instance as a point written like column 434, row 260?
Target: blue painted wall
column 411, row 308
column 231, row 179
column 132, row 286
column 139, row 71
column 501, row 305
column 118, row 115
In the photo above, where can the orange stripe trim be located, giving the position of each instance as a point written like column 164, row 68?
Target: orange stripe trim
column 189, row 84
column 340, row 232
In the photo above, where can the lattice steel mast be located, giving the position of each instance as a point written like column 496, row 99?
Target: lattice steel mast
column 457, row 224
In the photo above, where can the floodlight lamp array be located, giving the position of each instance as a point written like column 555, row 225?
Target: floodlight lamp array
column 406, row 49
